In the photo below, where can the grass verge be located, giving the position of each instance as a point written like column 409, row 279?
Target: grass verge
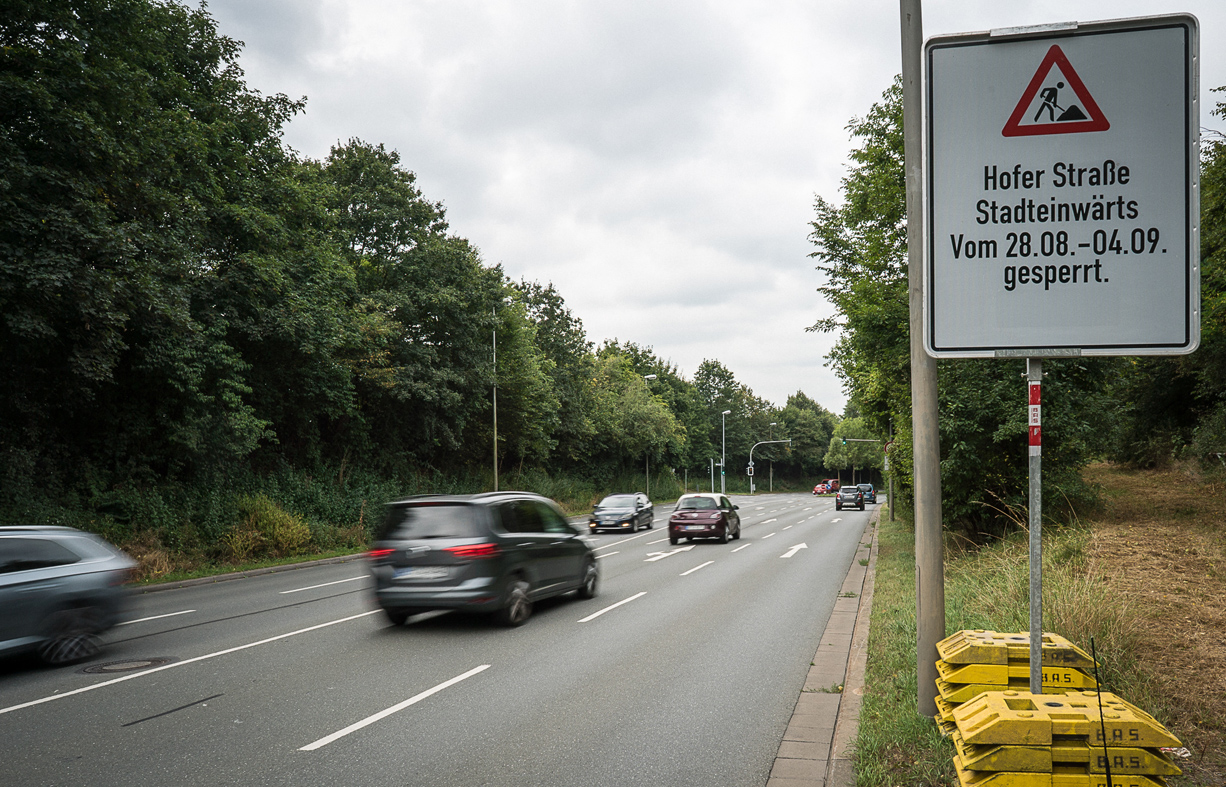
column 1143, row 622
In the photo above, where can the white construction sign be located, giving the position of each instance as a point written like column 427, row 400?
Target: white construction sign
column 1061, row 190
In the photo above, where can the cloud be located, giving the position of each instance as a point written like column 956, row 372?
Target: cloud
column 656, row 160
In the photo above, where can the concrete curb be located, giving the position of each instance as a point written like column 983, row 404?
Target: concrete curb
column 816, row 747
column 255, row 572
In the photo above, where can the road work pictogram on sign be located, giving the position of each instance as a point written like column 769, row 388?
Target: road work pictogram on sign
column 1055, row 102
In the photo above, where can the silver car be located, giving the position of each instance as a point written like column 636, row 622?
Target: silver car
column 59, row 589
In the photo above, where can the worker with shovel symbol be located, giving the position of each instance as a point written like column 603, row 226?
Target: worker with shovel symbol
column 1048, row 94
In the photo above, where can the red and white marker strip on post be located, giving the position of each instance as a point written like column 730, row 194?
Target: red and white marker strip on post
column 1036, row 421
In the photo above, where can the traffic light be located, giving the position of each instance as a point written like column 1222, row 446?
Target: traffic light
column 844, row 441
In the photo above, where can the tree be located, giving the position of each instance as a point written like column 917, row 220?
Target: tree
column 128, row 147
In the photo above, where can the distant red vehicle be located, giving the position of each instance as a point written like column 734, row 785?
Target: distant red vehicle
column 821, row 489
column 833, row 484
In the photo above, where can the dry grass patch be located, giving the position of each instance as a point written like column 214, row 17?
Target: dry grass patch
column 1160, row 548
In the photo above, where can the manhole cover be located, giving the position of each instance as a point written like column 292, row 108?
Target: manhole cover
column 127, row 665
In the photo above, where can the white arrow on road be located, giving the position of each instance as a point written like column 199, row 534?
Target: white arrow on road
column 661, row 555
column 832, row 521
column 794, row 550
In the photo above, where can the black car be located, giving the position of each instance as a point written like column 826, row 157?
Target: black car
column 622, row 512
column 60, row 588
column 849, row 496
column 494, row 553
column 704, row 516
column 870, row 494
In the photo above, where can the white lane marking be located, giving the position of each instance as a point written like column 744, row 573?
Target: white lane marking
column 155, row 617
column 768, row 535
column 759, row 508
column 794, row 550
column 789, row 527
column 767, row 522
column 695, row 568
column 192, row 660
column 324, row 585
column 607, row 554
column 661, row 555
column 624, row 540
column 738, row 549
column 658, row 541
column 832, row 521
column 383, row 714
column 613, row 606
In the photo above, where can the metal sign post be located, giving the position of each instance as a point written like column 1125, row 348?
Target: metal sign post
column 1034, row 375
column 1062, row 205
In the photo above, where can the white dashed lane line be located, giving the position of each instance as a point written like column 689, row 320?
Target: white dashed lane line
column 595, row 615
column 383, row 714
column 324, row 585
column 155, row 617
column 695, row 568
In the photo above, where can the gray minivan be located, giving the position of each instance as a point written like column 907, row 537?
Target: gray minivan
column 494, row 553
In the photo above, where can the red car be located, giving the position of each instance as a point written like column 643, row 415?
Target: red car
column 704, row 516
column 821, row 489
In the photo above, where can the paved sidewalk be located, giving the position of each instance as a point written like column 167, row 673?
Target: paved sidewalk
column 816, row 748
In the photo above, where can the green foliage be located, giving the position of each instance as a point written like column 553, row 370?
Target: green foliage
column 266, row 529
column 1175, row 408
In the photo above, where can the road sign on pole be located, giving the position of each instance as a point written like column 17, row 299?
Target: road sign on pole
column 1063, row 210
column 1063, row 207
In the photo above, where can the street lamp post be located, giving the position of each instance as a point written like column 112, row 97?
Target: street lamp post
column 755, row 445
column 723, row 448
column 495, row 313
column 647, row 453
column 771, row 488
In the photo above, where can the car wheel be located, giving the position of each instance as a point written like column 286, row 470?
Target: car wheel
column 591, row 580
column 651, row 522
column 72, row 635
column 672, row 540
column 737, row 536
column 724, row 536
column 396, row 617
column 861, row 506
column 518, row 607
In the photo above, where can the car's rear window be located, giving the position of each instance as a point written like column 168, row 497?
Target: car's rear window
column 432, row 520
column 697, row 504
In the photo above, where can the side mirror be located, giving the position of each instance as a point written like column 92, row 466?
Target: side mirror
column 736, row 508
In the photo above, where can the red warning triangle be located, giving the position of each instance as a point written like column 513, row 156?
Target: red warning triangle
column 1055, row 112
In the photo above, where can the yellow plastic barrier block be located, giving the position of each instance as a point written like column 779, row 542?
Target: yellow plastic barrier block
column 1001, row 757
column 1022, row 718
column 945, row 709
column 980, row 646
column 1072, row 776
column 1064, row 776
column 1130, row 761
column 1006, row 674
column 962, row 692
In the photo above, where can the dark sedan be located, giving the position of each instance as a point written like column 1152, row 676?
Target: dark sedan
column 849, row 496
column 704, row 516
column 622, row 512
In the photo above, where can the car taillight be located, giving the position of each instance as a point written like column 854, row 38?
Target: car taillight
column 471, row 551
column 375, row 554
column 716, row 515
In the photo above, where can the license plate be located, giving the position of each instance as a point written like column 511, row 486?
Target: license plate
column 695, row 527
column 421, row 572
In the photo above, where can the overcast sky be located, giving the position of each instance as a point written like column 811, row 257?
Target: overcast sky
column 657, row 160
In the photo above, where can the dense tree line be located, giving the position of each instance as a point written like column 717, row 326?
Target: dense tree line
column 187, row 303
column 1138, row 410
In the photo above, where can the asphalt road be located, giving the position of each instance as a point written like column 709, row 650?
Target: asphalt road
column 684, row 670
